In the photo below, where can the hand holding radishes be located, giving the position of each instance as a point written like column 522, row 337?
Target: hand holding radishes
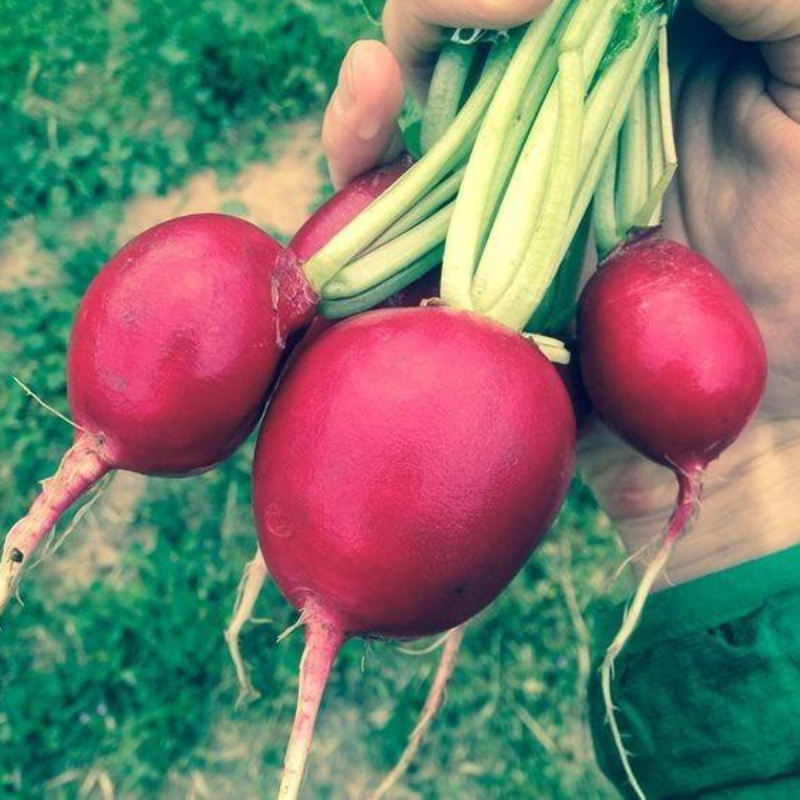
column 766, row 145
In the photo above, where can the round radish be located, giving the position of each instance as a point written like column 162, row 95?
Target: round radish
column 410, row 462
column 172, row 353
column 674, row 363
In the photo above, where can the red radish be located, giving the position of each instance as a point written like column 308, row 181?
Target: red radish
column 410, row 462
column 674, row 363
column 173, row 350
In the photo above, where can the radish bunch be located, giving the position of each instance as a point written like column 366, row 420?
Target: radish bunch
column 412, row 458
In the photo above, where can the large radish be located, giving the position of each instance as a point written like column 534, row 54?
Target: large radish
column 173, row 350
column 410, row 462
column 674, row 363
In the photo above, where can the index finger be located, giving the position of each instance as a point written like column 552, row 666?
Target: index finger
column 412, row 28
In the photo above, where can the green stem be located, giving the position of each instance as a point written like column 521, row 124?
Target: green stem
column 606, row 112
column 534, row 96
column 443, row 157
column 608, row 104
column 516, row 306
column 557, row 311
column 604, row 207
column 633, row 179
column 666, row 156
column 654, row 123
column 445, row 92
column 519, row 213
column 380, row 264
column 429, row 204
column 471, row 210
column 338, row 309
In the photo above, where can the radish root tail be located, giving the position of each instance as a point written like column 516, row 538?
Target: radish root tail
column 433, row 703
column 324, row 638
column 689, row 487
column 253, row 577
column 81, row 468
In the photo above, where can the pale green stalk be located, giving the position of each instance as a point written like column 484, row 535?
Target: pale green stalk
column 380, row 264
column 444, row 94
column 462, row 248
column 443, row 157
column 519, row 213
column 529, row 286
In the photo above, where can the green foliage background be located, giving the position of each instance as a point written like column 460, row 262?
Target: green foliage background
column 121, row 678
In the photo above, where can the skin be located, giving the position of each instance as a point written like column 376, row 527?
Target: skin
column 736, row 73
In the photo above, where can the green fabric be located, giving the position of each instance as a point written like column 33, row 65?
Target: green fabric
column 708, row 689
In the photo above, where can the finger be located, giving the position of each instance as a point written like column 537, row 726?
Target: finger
column 412, row 28
column 754, row 20
column 360, row 126
column 776, row 25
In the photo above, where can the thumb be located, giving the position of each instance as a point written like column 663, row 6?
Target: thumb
column 360, row 128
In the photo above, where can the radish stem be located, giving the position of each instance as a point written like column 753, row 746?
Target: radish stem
column 443, row 157
column 531, row 282
column 666, row 154
column 429, row 204
column 462, row 250
column 338, row 309
column 633, row 179
column 382, row 263
column 604, row 119
column 518, row 216
column 604, row 210
column 445, row 92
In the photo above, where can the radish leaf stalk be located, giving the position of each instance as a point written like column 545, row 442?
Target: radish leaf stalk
column 445, row 92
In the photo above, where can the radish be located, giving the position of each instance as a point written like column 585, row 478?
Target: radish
column 674, row 363
column 410, row 462
column 173, row 350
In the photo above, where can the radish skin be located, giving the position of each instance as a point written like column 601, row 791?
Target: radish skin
column 674, row 363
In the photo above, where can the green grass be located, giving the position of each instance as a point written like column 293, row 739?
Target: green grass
column 117, row 672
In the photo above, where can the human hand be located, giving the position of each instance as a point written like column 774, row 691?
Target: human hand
column 737, row 108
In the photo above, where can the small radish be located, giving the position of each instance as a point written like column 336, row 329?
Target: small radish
column 410, row 462
column 172, row 353
column 674, row 363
